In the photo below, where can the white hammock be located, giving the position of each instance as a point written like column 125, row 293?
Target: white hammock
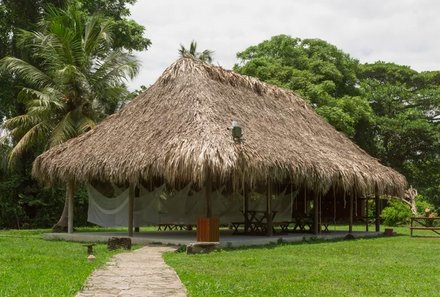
column 180, row 207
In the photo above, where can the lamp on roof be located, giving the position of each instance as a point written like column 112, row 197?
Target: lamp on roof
column 236, row 130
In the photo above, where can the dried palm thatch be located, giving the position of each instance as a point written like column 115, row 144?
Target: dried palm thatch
column 177, row 130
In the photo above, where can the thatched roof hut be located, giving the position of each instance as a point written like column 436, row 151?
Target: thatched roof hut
column 177, row 131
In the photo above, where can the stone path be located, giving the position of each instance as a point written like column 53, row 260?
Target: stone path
column 142, row 272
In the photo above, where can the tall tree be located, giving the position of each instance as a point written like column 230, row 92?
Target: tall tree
column 406, row 105
column 77, row 78
column 16, row 15
column 205, row 56
column 315, row 69
column 390, row 110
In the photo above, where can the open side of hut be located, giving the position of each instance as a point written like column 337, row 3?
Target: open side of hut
column 178, row 132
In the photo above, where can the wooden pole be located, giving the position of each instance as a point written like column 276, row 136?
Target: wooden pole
column 137, row 193
column 316, row 214
column 366, row 214
column 269, row 209
column 70, row 191
column 246, row 208
column 320, row 211
column 350, row 224
column 377, row 204
column 334, row 206
column 131, row 192
column 208, row 190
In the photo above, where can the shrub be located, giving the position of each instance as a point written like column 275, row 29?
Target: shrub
column 396, row 213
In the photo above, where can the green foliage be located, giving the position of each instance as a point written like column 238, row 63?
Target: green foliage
column 315, row 69
column 127, row 33
column 406, row 105
column 76, row 80
column 33, row 100
column 25, row 15
column 396, row 213
column 205, row 55
column 391, row 111
column 422, row 204
column 30, row 266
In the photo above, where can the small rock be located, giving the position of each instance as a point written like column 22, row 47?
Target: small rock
column 119, row 242
column 201, row 247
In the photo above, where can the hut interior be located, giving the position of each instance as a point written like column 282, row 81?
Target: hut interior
column 288, row 209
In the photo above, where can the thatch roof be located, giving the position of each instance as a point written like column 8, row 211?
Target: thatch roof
column 177, row 130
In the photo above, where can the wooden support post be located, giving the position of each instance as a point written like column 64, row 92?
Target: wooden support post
column 70, row 191
column 366, row 214
column 208, row 228
column 131, row 193
column 350, row 224
column 377, row 204
column 269, row 209
column 246, row 208
column 320, row 212
column 316, row 226
column 208, row 190
column 137, row 193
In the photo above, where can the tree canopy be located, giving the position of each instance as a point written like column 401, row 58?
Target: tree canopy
column 77, row 78
column 391, row 111
column 65, row 72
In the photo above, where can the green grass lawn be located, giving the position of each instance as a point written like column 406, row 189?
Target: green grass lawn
column 30, row 266
column 386, row 266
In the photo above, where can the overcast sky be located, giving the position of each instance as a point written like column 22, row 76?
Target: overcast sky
column 401, row 31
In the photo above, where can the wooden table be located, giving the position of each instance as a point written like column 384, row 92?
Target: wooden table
column 164, row 227
column 257, row 222
column 301, row 223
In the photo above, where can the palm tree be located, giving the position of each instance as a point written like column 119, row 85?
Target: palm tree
column 76, row 78
column 79, row 79
column 205, row 56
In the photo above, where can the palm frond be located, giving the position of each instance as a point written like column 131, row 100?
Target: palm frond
column 63, row 131
column 206, row 56
column 24, row 121
column 193, row 48
column 114, row 69
column 36, row 134
column 97, row 35
column 26, row 71
column 85, row 124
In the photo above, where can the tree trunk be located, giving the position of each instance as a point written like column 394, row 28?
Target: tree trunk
column 410, row 199
column 61, row 225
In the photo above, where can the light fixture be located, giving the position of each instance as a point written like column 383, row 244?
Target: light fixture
column 236, row 130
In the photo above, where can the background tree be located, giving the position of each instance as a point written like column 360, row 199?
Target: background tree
column 73, row 76
column 78, row 79
column 16, row 15
column 406, row 105
column 205, row 56
column 389, row 110
column 316, row 70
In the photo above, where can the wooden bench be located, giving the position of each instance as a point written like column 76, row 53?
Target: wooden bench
column 235, row 226
column 284, row 226
column 424, row 223
column 302, row 224
column 164, row 227
column 261, row 228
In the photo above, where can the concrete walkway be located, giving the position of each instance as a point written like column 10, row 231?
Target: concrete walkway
column 142, row 272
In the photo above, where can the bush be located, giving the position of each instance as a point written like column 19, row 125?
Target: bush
column 422, row 204
column 397, row 213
